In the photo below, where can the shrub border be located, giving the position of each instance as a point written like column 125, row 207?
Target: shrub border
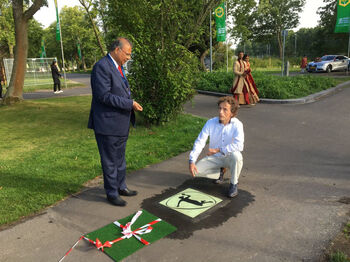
column 302, row 100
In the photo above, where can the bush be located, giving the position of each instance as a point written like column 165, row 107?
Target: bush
column 162, row 80
column 269, row 86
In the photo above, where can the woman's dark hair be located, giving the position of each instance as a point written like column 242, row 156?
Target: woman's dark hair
column 245, row 56
column 53, row 62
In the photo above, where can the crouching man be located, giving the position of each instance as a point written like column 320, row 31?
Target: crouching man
column 226, row 142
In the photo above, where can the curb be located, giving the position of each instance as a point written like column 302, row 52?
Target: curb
column 303, row 100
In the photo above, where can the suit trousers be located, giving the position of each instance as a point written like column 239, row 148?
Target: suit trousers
column 112, row 153
column 210, row 166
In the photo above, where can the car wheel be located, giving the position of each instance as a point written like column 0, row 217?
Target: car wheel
column 329, row 69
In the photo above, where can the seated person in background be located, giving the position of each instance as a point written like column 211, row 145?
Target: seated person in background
column 226, row 142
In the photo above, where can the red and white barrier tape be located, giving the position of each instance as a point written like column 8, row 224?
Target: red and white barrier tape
column 127, row 232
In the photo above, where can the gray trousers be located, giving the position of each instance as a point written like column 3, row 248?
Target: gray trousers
column 210, row 166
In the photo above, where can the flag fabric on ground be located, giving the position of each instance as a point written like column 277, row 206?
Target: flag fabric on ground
column 125, row 247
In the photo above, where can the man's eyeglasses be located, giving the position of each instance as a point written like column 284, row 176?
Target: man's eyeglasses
column 127, row 55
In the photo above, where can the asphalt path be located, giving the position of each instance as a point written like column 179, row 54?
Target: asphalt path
column 82, row 90
column 296, row 171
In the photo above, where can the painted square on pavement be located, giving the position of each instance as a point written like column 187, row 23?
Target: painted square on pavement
column 191, row 202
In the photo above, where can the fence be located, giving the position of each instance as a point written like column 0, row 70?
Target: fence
column 38, row 71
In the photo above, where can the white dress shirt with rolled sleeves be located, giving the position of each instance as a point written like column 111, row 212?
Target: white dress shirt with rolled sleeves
column 228, row 138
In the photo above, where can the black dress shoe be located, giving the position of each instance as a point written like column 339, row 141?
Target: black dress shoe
column 220, row 180
column 117, row 201
column 127, row 192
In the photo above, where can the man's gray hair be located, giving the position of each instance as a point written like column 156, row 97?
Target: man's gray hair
column 119, row 43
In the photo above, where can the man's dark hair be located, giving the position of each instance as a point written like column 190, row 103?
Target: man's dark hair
column 238, row 54
column 232, row 102
column 119, row 42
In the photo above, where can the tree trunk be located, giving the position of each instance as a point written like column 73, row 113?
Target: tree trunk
column 15, row 90
column 21, row 19
column 11, row 51
column 203, row 55
column 280, row 44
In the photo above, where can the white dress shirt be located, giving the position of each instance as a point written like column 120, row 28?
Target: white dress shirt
column 228, row 138
column 115, row 62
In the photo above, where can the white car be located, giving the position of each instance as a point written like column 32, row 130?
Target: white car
column 329, row 63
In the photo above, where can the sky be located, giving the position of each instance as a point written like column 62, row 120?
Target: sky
column 47, row 15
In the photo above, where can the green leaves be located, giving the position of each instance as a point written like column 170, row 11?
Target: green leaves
column 163, row 69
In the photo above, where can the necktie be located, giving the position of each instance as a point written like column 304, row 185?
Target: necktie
column 121, row 71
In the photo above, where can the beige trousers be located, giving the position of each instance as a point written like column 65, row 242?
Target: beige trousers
column 210, row 166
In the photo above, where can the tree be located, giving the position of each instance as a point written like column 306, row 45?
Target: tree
column 88, row 4
column 162, row 33
column 243, row 13
column 273, row 16
column 35, row 34
column 102, row 10
column 7, row 28
column 21, row 15
column 75, row 28
column 328, row 15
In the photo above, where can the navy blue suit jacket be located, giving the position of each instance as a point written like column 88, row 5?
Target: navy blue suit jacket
column 111, row 106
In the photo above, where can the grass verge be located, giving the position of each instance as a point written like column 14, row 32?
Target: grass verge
column 47, row 152
column 339, row 248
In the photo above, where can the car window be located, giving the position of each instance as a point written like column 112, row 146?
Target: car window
column 327, row 57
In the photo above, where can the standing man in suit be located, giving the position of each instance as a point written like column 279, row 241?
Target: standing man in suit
column 112, row 110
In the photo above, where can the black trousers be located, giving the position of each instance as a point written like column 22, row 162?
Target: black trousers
column 112, row 153
column 56, row 86
column 0, row 90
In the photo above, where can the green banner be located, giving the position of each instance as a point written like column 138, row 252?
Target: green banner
column 343, row 17
column 58, row 35
column 43, row 52
column 220, row 20
column 79, row 50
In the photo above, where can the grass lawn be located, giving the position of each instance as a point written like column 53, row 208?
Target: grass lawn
column 32, row 88
column 47, row 152
column 46, row 85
